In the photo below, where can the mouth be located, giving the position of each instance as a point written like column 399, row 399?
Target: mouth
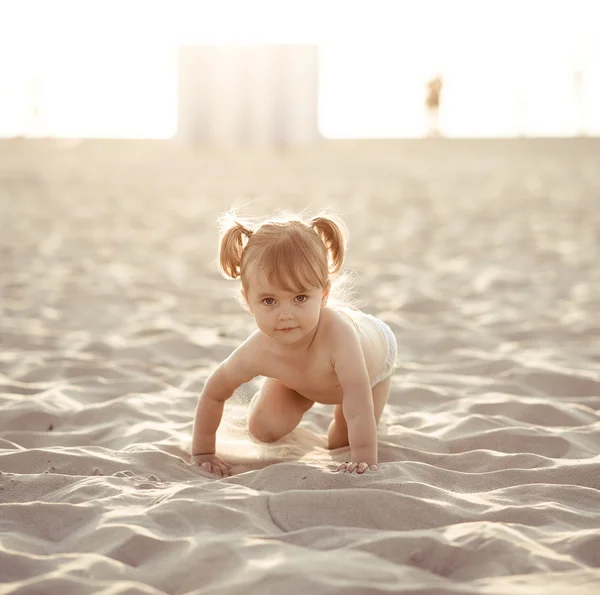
column 287, row 330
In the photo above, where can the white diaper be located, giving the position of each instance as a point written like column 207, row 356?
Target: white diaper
column 392, row 352
column 389, row 365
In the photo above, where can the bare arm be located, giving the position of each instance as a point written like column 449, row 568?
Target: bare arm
column 209, row 412
column 357, row 405
column 237, row 369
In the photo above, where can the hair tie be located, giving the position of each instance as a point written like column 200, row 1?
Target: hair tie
column 245, row 231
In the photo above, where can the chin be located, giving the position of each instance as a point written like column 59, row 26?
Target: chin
column 289, row 337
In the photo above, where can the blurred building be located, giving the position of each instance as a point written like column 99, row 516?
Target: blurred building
column 254, row 95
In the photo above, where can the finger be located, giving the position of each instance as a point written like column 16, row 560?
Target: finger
column 362, row 467
column 352, row 466
column 221, row 470
column 374, row 468
column 224, row 470
column 342, row 467
column 210, row 467
column 215, row 470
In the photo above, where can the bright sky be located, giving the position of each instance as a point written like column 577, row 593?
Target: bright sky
column 109, row 67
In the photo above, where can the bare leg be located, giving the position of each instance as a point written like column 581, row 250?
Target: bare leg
column 337, row 435
column 275, row 411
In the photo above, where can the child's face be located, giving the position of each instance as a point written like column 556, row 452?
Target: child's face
column 283, row 315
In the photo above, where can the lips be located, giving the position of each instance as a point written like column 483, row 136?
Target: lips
column 291, row 328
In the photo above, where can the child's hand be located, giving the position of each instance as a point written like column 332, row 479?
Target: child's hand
column 211, row 463
column 358, row 467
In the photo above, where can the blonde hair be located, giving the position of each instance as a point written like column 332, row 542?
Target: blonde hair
column 294, row 253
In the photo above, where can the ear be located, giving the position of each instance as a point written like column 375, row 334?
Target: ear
column 325, row 294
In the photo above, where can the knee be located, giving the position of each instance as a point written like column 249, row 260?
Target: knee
column 337, row 437
column 259, row 430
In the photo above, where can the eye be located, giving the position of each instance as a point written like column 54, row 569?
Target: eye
column 268, row 301
column 301, row 298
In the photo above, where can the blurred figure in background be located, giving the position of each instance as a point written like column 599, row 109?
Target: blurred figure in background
column 432, row 104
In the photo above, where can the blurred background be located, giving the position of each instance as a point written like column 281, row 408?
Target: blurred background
column 458, row 139
column 293, row 71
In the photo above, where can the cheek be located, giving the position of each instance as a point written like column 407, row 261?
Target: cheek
column 262, row 323
column 263, row 315
column 312, row 311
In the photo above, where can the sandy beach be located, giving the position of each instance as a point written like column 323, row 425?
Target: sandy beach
column 482, row 256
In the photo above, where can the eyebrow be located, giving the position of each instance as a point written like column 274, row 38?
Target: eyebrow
column 299, row 292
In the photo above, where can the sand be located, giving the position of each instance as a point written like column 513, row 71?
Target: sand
column 481, row 255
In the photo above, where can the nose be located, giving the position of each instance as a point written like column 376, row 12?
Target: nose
column 284, row 315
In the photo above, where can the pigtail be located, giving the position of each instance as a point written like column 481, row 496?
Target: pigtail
column 334, row 235
column 232, row 241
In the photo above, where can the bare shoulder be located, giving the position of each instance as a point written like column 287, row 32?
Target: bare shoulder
column 341, row 332
column 346, row 350
column 244, row 363
column 339, row 326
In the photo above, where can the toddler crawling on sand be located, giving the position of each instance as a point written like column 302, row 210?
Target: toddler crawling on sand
column 308, row 352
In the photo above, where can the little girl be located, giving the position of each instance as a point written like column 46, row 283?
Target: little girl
column 308, row 352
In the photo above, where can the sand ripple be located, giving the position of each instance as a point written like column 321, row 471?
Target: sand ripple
column 482, row 257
